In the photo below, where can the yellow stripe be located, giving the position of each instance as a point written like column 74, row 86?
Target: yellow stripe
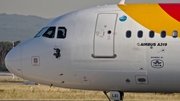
column 151, row 16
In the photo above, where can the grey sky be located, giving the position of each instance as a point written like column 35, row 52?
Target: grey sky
column 54, row 8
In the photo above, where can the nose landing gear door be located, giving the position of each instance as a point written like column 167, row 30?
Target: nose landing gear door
column 104, row 36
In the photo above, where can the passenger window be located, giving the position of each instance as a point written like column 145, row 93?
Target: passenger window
column 151, row 34
column 140, row 34
column 50, row 33
column 175, row 34
column 163, row 34
column 128, row 34
column 61, row 33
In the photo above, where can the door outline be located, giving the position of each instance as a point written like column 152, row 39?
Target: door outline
column 114, row 30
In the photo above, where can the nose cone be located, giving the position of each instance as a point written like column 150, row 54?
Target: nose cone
column 13, row 61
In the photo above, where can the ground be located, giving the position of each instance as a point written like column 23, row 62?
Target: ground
column 19, row 89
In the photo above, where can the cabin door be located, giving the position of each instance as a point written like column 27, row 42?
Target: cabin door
column 104, row 36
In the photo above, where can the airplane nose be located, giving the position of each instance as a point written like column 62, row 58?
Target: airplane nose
column 13, row 61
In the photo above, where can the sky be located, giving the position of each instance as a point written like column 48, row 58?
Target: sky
column 55, row 8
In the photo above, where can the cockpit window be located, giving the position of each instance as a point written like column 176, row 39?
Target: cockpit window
column 61, row 33
column 41, row 32
column 50, row 33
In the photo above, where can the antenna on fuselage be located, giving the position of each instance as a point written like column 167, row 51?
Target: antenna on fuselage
column 122, row 2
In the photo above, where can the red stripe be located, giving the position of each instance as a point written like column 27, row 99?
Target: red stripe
column 172, row 9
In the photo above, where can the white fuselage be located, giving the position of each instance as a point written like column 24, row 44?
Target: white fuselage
column 97, row 55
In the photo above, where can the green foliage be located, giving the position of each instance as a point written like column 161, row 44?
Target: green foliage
column 5, row 47
column 3, row 67
column 16, row 43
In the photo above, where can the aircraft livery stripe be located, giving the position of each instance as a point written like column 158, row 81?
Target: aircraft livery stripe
column 155, row 17
column 172, row 9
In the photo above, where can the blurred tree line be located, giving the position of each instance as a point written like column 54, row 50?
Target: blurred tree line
column 5, row 47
